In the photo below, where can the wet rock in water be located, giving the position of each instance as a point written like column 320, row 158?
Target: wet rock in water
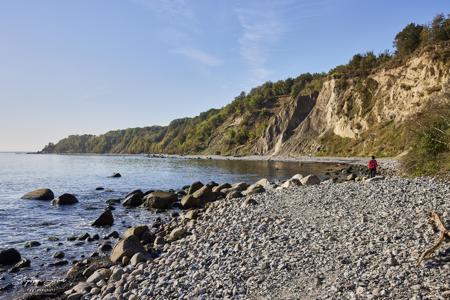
column 59, row 255
column 116, row 175
column 96, row 237
column 99, row 188
column 53, row 238
column 138, row 191
column 24, row 263
column 59, row 263
column 65, row 199
column 310, row 180
column 160, row 200
column 71, row 238
column 105, row 247
column 105, row 219
column 126, row 247
column 9, row 257
column 113, row 235
column 84, row 236
column 195, row 187
column 39, row 194
column 6, row 287
column 113, row 201
column 134, row 199
column 30, row 244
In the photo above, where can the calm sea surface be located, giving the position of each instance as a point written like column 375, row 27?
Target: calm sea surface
column 26, row 220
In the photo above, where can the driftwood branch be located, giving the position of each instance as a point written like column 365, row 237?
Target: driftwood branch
column 444, row 234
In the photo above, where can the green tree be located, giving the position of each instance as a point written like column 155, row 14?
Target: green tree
column 409, row 39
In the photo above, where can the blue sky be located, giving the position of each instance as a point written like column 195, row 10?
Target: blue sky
column 89, row 66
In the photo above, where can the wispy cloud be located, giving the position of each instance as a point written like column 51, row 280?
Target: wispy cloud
column 260, row 30
column 265, row 24
column 180, row 29
column 199, row 56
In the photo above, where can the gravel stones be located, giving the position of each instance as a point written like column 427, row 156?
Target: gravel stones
column 348, row 240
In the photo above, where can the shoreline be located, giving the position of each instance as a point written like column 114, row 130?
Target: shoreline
column 185, row 221
column 389, row 162
column 314, row 241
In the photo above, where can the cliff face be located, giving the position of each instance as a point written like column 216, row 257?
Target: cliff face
column 354, row 115
column 354, row 108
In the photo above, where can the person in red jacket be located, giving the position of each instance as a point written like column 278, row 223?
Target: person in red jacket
column 372, row 167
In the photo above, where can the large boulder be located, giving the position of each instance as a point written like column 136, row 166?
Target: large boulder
column 9, row 257
column 195, row 187
column 221, row 187
column 138, row 191
column 160, row 200
column 189, row 201
column 204, row 195
column 240, row 186
column 133, row 199
column 234, row 194
column 293, row 182
column 126, row 247
column 116, row 175
column 310, row 180
column 254, row 189
column 105, row 219
column 136, row 231
column 65, row 199
column 265, row 183
column 39, row 194
column 297, row 176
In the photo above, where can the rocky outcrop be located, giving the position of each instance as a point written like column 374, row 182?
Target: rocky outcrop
column 39, row 194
